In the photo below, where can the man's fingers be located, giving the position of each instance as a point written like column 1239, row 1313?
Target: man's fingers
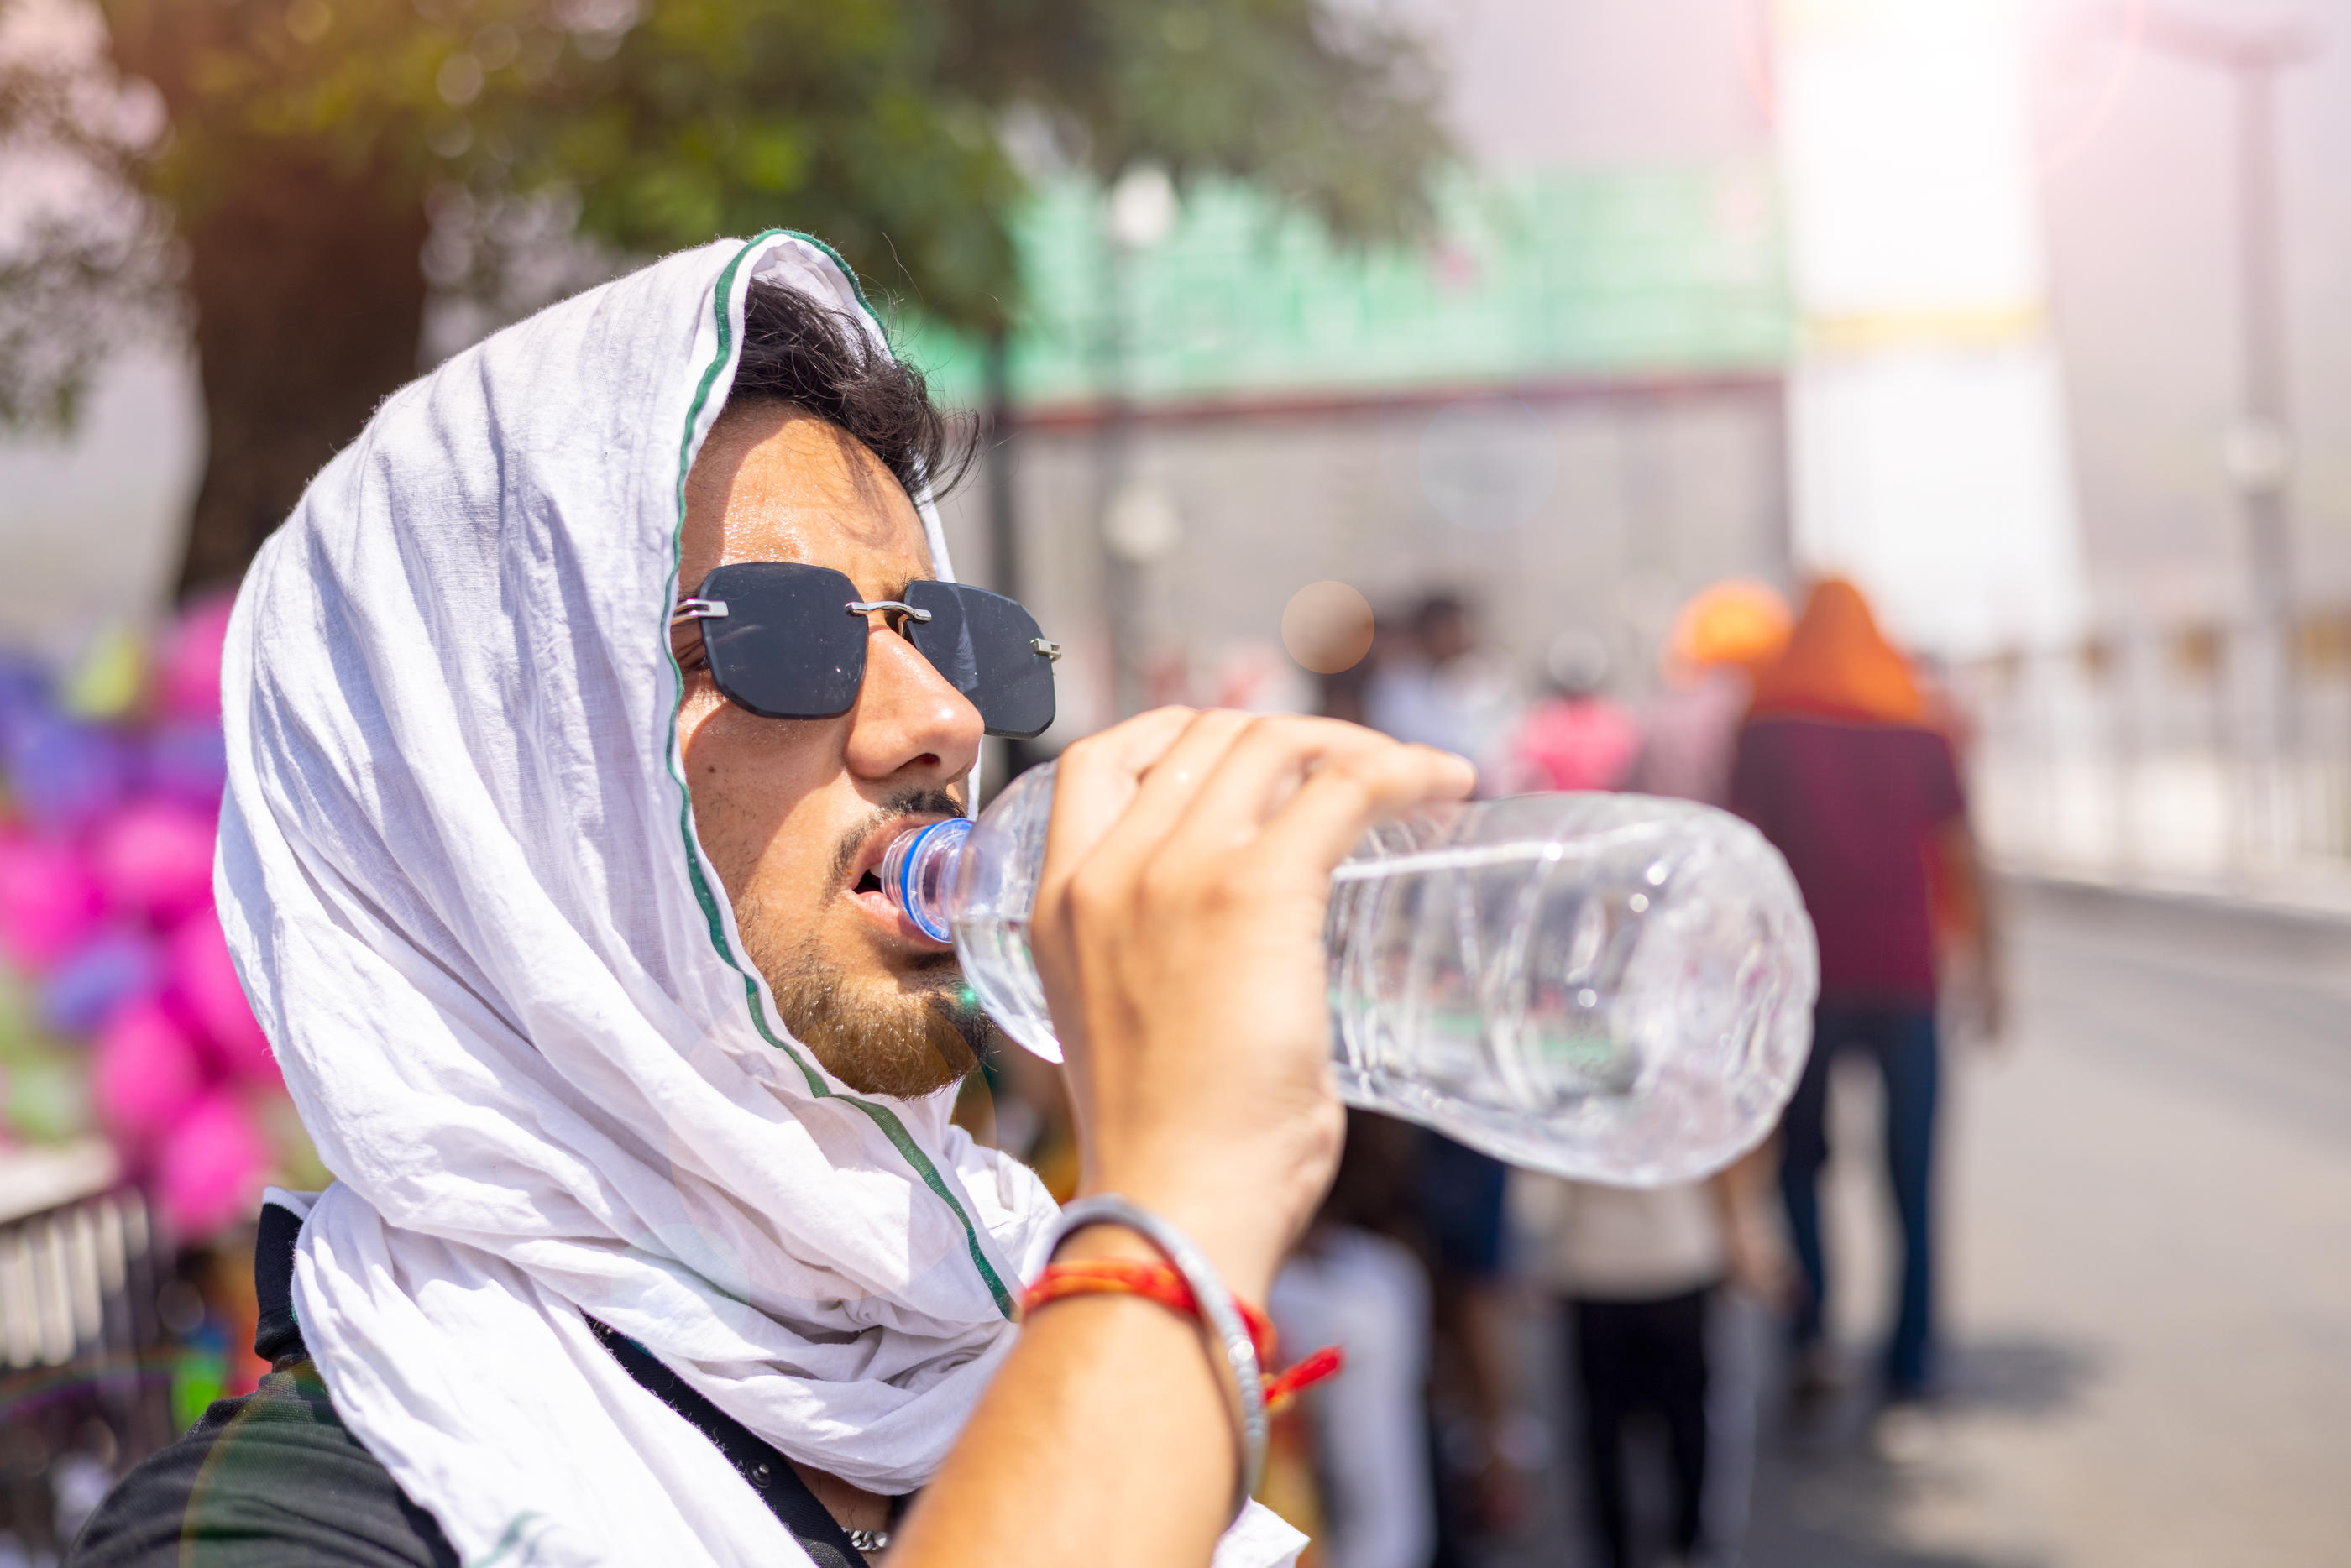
column 1255, row 778
column 1199, row 785
column 1171, row 788
column 1171, row 781
column 1097, row 778
column 1346, row 794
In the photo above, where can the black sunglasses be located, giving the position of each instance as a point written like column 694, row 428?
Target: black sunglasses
column 787, row 640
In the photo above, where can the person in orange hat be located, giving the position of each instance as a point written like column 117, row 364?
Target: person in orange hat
column 1721, row 637
column 1840, row 767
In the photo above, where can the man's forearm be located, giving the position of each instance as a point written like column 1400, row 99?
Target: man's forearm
column 1104, row 1442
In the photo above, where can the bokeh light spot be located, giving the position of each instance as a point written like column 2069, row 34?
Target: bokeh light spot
column 1327, row 626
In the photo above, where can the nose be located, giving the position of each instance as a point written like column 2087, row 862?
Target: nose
column 908, row 722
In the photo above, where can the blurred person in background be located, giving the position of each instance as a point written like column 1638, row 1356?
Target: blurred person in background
column 1640, row 1274
column 1640, row 1271
column 1357, row 1280
column 1576, row 738
column 1720, row 638
column 1969, row 999
column 1433, row 682
column 1483, row 1464
column 1838, row 767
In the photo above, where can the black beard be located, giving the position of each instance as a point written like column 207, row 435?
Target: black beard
column 903, row 1043
column 918, row 1037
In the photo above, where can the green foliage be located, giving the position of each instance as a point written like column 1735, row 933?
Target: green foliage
column 1315, row 103
column 879, row 124
column 85, row 265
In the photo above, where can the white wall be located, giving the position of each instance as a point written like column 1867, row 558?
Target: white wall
column 1928, row 430
column 89, row 525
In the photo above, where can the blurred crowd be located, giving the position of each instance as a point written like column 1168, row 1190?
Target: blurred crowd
column 1503, row 1328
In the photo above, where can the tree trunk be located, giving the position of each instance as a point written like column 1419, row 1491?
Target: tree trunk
column 309, row 300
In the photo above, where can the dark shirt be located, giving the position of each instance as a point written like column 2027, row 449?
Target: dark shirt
column 1461, row 1207
column 271, row 1480
column 1855, row 806
column 275, row 1479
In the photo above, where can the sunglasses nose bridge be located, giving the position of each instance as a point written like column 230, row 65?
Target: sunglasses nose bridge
column 909, row 706
column 887, row 606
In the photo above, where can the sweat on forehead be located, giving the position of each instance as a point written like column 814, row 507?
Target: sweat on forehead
column 774, row 484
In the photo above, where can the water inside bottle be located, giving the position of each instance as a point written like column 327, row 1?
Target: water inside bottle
column 1597, row 986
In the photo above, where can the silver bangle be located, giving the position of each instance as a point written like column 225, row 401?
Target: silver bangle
column 1223, row 1317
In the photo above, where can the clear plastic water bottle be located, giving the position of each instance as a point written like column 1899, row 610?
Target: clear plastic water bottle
column 1611, row 987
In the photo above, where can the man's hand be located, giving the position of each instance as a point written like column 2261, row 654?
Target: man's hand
column 1178, row 932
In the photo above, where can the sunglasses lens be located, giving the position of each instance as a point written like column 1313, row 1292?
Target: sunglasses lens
column 985, row 643
column 786, row 648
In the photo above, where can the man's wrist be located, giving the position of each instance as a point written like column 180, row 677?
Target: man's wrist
column 1245, row 1261
column 1111, row 1243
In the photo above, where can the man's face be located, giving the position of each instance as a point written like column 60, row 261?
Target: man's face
column 795, row 813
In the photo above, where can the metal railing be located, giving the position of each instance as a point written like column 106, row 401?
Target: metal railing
column 83, row 1390
column 2184, row 755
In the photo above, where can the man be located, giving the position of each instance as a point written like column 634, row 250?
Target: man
column 650, row 1242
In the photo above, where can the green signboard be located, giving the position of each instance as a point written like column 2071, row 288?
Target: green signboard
column 1533, row 277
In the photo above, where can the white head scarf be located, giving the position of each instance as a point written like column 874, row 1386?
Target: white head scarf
column 459, row 871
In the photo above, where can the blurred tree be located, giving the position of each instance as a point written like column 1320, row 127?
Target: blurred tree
column 314, row 145
column 86, row 262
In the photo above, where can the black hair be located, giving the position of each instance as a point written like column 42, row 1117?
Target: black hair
column 821, row 361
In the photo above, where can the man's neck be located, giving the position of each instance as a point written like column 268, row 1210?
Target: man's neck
column 852, row 1507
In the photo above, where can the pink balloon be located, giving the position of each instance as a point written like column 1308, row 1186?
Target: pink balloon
column 203, row 979
column 188, row 665
column 154, row 858
column 211, row 1168
column 49, row 902
column 145, row 1073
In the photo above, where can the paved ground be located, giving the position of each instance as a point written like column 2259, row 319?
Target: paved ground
column 2150, row 1269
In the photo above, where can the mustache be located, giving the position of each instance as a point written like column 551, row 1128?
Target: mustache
column 916, row 801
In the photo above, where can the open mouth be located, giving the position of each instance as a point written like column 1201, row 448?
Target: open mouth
column 865, row 888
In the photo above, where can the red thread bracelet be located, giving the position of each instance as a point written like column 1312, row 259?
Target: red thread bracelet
column 1164, row 1284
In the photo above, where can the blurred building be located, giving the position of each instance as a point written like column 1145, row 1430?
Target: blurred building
column 1569, row 405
